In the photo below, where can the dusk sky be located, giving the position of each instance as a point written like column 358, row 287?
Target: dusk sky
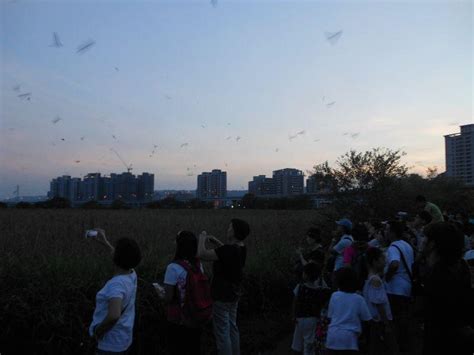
column 400, row 76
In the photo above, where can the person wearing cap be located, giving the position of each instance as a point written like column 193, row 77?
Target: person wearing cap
column 343, row 239
column 227, row 270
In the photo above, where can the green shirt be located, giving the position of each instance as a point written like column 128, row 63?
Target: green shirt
column 435, row 212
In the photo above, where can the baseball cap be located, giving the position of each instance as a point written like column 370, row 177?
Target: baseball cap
column 345, row 223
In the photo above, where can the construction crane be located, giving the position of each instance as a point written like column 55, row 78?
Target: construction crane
column 128, row 167
column 17, row 192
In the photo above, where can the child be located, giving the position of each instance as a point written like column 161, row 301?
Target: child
column 381, row 339
column 346, row 310
column 307, row 304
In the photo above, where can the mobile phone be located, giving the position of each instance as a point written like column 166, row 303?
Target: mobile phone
column 91, row 233
column 158, row 287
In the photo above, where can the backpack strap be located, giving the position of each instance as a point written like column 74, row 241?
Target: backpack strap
column 404, row 262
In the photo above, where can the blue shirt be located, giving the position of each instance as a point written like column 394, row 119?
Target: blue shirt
column 119, row 337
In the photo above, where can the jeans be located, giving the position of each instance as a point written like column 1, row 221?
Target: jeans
column 225, row 328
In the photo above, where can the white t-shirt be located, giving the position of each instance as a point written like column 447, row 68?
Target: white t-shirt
column 346, row 311
column 400, row 284
column 120, row 337
column 376, row 295
column 345, row 241
column 469, row 255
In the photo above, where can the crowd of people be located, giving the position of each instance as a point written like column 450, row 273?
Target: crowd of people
column 364, row 292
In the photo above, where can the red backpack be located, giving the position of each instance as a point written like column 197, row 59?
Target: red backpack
column 197, row 307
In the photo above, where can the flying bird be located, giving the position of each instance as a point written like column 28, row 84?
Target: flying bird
column 203, row 126
column 228, row 138
column 17, row 88
column 277, row 150
column 237, row 138
column 355, row 135
column 77, row 161
column 56, row 120
column 63, row 139
column 85, row 46
column 333, row 37
column 345, row 134
column 82, row 138
column 300, row 133
column 214, row 3
column 168, row 97
column 330, row 104
column 114, row 137
column 56, row 41
column 290, row 137
column 116, row 69
column 184, row 145
column 316, row 140
column 26, row 96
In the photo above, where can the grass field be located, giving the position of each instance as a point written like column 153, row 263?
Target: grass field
column 49, row 273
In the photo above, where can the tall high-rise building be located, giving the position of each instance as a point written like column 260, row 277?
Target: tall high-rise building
column 262, row 186
column 312, row 185
column 92, row 187
column 124, row 186
column 460, row 154
column 212, row 185
column 146, row 184
column 288, row 182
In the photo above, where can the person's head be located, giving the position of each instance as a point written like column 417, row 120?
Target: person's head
column 127, row 254
column 375, row 259
column 186, row 246
column 311, row 272
column 394, row 230
column 238, row 229
column 313, row 236
column 444, row 243
column 423, row 218
column 360, row 233
column 420, row 201
column 374, row 227
column 346, row 280
column 344, row 226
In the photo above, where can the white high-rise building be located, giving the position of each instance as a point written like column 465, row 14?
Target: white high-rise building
column 460, row 154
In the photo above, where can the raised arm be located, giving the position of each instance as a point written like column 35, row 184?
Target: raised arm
column 203, row 253
column 102, row 239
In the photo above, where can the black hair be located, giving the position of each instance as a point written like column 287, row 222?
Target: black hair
column 312, row 271
column 448, row 241
column 397, row 227
column 372, row 254
column 127, row 254
column 346, row 280
column 420, row 198
column 376, row 224
column 314, row 233
column 425, row 216
column 186, row 246
column 360, row 232
column 241, row 228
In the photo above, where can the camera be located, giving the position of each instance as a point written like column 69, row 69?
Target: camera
column 91, row 233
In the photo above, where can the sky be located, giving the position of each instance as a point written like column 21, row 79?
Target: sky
column 167, row 73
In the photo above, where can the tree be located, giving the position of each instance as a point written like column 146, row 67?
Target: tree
column 91, row 205
column 363, row 182
column 3, row 205
column 249, row 200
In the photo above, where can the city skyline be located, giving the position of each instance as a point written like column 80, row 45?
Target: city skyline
column 176, row 88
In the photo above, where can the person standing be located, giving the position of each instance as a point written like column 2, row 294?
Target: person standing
column 448, row 295
column 114, row 314
column 400, row 259
column 228, row 263
column 343, row 239
column 430, row 207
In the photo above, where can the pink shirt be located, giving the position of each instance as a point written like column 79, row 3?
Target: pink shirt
column 349, row 255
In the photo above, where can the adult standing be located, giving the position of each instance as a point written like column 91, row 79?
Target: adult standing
column 343, row 239
column 114, row 314
column 429, row 207
column 228, row 263
column 448, row 293
column 400, row 259
column 178, row 294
